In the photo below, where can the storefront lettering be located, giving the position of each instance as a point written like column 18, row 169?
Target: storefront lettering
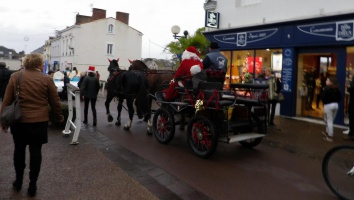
column 321, row 30
column 227, row 38
column 256, row 35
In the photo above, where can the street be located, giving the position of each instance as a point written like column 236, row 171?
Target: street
column 232, row 172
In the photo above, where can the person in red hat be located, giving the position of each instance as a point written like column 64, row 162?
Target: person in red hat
column 89, row 89
column 190, row 57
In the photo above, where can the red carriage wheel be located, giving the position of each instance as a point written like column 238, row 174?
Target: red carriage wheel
column 163, row 126
column 201, row 136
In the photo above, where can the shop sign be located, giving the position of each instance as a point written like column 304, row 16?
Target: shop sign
column 212, row 19
column 244, row 38
column 341, row 31
column 287, row 69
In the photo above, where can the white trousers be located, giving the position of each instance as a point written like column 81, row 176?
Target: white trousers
column 330, row 112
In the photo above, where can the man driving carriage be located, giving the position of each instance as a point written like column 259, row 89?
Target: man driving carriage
column 190, row 58
column 215, row 64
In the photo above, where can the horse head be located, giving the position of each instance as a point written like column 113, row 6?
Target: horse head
column 138, row 65
column 113, row 65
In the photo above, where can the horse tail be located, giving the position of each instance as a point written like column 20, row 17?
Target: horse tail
column 143, row 94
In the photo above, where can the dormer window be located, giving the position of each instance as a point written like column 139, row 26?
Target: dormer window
column 110, row 28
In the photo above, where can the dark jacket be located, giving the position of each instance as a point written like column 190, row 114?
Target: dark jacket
column 90, row 86
column 215, row 61
column 331, row 95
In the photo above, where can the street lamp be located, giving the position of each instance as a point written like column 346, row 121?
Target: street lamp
column 176, row 29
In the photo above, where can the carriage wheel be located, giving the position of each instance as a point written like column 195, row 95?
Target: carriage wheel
column 201, row 136
column 163, row 126
column 260, row 129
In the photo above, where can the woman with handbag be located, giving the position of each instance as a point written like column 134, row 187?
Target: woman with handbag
column 36, row 91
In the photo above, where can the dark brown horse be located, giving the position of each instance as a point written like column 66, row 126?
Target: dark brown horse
column 158, row 79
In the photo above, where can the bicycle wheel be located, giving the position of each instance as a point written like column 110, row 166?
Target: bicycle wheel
column 338, row 171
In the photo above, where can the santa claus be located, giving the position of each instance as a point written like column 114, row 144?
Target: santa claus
column 190, row 58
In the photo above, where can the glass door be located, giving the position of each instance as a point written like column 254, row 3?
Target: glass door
column 313, row 70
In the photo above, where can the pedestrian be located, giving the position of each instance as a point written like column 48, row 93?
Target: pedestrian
column 73, row 73
column 37, row 90
column 82, row 77
column 190, row 57
column 318, row 90
column 98, row 75
column 330, row 97
column 89, row 89
column 350, row 135
column 272, row 103
column 4, row 78
column 51, row 74
column 64, row 93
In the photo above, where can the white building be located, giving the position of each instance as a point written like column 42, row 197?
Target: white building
column 92, row 40
column 299, row 39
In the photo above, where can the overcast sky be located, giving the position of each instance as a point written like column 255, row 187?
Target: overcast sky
column 26, row 24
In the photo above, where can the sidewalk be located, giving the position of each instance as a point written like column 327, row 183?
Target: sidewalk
column 303, row 137
column 98, row 168
column 70, row 172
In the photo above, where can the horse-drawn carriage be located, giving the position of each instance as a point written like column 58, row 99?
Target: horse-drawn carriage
column 211, row 114
column 214, row 115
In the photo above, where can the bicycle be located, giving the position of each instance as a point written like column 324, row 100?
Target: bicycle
column 338, row 171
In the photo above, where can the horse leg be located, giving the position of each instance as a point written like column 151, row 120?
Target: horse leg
column 131, row 111
column 149, row 127
column 119, row 108
column 107, row 102
column 138, row 111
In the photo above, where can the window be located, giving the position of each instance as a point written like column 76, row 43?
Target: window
column 110, row 28
column 109, row 49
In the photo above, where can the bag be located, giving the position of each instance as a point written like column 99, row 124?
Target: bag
column 280, row 97
column 12, row 113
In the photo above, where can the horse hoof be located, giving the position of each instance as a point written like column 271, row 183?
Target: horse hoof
column 126, row 128
column 148, row 133
column 117, row 123
column 140, row 116
column 110, row 119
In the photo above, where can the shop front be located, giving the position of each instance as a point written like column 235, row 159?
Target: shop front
column 303, row 53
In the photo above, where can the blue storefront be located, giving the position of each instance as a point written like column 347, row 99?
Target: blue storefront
column 308, row 49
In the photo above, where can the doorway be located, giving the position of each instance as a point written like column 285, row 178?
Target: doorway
column 313, row 70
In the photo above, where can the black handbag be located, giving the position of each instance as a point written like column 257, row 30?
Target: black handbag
column 12, row 113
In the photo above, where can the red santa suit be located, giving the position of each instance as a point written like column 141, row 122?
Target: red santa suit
column 190, row 57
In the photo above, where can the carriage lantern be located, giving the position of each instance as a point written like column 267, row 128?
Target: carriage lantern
column 176, row 29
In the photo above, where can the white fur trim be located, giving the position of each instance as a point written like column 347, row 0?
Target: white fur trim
column 189, row 55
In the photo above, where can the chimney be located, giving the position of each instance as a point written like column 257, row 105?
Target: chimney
column 80, row 19
column 123, row 17
column 98, row 14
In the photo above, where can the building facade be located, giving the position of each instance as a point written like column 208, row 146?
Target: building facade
column 300, row 40
column 92, row 40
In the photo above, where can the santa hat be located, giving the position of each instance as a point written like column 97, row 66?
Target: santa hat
column 91, row 69
column 193, row 50
column 190, row 53
column 195, row 69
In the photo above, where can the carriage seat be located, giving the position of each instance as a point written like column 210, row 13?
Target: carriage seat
column 211, row 92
